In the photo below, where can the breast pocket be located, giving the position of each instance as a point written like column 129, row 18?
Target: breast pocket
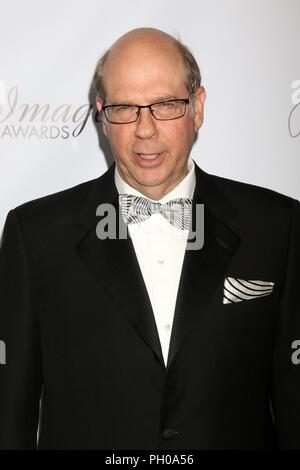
column 241, row 290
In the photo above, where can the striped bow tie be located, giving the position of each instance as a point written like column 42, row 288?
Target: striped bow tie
column 137, row 209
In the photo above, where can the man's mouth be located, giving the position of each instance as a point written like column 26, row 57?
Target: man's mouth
column 148, row 156
column 149, row 159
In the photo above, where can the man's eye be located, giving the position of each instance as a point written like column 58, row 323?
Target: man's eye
column 166, row 104
column 124, row 108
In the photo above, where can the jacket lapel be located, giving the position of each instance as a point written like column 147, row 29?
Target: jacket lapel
column 114, row 265
column 203, row 268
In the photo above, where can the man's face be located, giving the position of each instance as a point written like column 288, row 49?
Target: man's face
column 144, row 73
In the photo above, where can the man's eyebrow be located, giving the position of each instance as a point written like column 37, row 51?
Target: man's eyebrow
column 153, row 100
column 164, row 97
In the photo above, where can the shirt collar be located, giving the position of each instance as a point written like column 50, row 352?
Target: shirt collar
column 184, row 189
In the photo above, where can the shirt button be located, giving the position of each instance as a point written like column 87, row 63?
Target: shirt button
column 169, row 433
column 161, row 261
column 167, row 327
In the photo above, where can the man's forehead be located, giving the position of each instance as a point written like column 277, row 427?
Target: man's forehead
column 146, row 91
column 144, row 67
column 156, row 72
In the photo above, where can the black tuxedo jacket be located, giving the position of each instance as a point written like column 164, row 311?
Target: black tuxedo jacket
column 82, row 344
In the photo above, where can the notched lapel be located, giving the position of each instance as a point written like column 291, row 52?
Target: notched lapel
column 203, row 269
column 114, row 265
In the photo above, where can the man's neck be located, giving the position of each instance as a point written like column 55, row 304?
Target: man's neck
column 154, row 192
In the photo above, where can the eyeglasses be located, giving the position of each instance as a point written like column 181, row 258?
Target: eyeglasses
column 161, row 110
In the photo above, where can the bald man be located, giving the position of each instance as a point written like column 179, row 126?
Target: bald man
column 121, row 330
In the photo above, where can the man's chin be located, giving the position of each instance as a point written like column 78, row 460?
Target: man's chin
column 150, row 178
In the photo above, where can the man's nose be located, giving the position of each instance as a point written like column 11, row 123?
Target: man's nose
column 146, row 124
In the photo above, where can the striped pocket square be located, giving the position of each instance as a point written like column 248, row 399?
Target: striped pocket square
column 236, row 290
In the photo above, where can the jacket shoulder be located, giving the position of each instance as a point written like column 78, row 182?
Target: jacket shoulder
column 253, row 195
column 61, row 205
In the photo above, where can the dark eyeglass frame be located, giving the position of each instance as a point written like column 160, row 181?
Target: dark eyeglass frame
column 184, row 100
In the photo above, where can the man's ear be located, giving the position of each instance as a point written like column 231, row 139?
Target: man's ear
column 198, row 101
column 99, row 104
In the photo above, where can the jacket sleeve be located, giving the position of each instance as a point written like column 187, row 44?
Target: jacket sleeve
column 20, row 364
column 285, row 384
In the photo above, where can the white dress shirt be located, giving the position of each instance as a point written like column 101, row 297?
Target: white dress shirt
column 160, row 249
